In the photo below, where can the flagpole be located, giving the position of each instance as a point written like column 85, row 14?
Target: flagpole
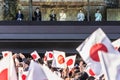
column 88, row 10
column 30, row 10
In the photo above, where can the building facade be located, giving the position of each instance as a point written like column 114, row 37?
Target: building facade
column 10, row 7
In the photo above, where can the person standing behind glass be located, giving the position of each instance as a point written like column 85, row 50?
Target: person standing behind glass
column 98, row 16
column 37, row 15
column 62, row 15
column 52, row 16
column 19, row 15
column 80, row 16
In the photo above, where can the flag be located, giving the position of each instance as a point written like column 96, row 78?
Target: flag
column 36, row 72
column 24, row 75
column 89, row 71
column 50, row 75
column 70, row 61
column 116, row 44
column 39, row 72
column 7, row 68
column 35, row 55
column 6, row 53
column 97, row 41
column 111, row 65
column 59, row 59
column 49, row 55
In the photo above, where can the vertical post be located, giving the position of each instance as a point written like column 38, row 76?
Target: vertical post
column 30, row 10
column 88, row 10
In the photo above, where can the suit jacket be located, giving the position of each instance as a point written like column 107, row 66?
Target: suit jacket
column 19, row 16
column 37, row 16
column 52, row 17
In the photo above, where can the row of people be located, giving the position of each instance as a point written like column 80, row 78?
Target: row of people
column 62, row 15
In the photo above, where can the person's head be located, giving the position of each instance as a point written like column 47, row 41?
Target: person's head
column 81, row 63
column 83, row 76
column 62, row 10
column 80, row 10
column 98, row 10
column 37, row 9
column 19, row 11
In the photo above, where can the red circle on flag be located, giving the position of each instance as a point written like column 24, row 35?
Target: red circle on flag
column 69, row 62
column 34, row 56
column 50, row 55
column 61, row 59
column 45, row 58
column 91, row 72
column 94, row 51
column 5, row 54
column 24, row 77
column 4, row 74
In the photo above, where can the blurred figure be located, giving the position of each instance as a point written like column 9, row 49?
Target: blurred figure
column 62, row 15
column 37, row 15
column 19, row 15
column 52, row 16
column 80, row 16
column 81, row 66
column 98, row 16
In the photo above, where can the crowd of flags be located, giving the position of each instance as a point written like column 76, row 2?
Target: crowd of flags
column 99, row 53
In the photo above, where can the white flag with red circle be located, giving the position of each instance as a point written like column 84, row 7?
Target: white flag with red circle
column 35, row 55
column 6, row 53
column 49, row 55
column 7, row 68
column 24, row 75
column 116, row 44
column 97, row 41
column 111, row 65
column 59, row 59
column 89, row 71
column 70, row 61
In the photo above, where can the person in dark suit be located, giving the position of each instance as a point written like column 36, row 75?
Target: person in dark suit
column 52, row 16
column 19, row 15
column 37, row 15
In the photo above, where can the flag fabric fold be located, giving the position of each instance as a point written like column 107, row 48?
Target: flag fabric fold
column 111, row 65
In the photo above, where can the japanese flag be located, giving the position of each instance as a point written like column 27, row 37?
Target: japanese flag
column 24, row 75
column 35, row 55
column 97, row 41
column 111, row 65
column 116, row 44
column 89, row 71
column 49, row 55
column 7, row 68
column 70, row 61
column 6, row 53
column 59, row 59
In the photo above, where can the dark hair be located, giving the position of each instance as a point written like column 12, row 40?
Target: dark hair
column 91, row 78
column 37, row 7
column 83, row 76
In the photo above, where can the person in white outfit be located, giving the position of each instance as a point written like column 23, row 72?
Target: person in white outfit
column 98, row 16
column 62, row 16
column 80, row 16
